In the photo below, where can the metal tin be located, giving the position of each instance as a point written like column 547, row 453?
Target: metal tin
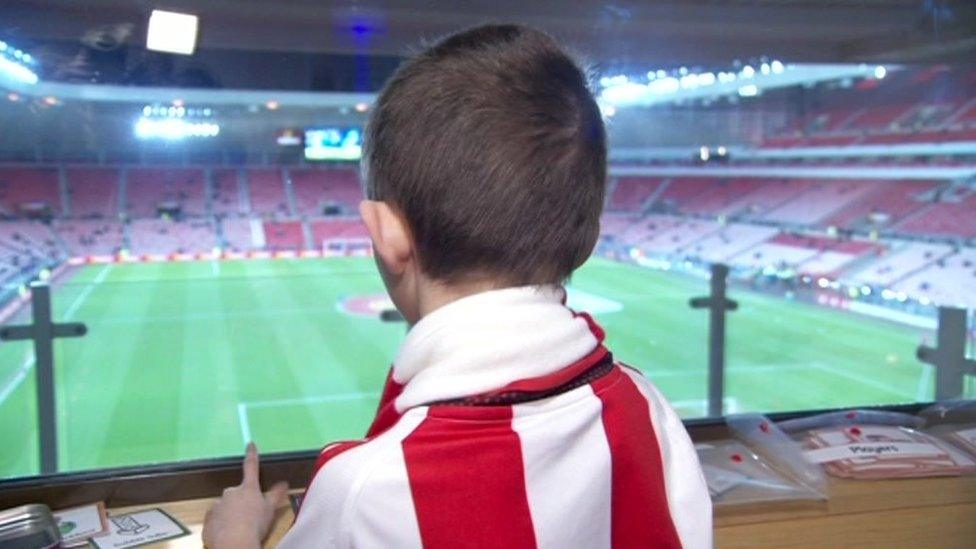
column 28, row 527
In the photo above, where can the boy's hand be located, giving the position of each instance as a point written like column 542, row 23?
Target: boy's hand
column 243, row 516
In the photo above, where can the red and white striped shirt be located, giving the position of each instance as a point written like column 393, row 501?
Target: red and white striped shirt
column 505, row 423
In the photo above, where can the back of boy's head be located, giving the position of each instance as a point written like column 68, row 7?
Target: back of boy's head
column 493, row 149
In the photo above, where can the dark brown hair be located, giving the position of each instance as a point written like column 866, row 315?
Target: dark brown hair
column 492, row 147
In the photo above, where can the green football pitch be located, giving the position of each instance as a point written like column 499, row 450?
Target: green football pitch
column 188, row 360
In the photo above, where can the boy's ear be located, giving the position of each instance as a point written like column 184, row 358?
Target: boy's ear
column 390, row 234
column 587, row 249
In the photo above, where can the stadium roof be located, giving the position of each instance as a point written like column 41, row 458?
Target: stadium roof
column 619, row 32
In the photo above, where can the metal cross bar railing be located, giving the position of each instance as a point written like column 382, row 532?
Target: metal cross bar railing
column 716, row 303
column 43, row 332
column 949, row 355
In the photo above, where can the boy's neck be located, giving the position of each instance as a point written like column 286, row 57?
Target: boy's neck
column 433, row 295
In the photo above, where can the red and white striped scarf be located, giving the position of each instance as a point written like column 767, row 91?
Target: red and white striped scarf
column 470, row 447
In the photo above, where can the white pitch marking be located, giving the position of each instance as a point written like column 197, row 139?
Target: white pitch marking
column 215, row 268
column 242, row 418
column 73, row 308
column 339, row 397
column 242, row 407
column 859, row 379
column 18, row 377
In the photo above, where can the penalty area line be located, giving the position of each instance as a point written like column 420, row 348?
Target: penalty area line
column 245, row 423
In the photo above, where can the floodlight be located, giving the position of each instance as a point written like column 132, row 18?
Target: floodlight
column 17, row 71
column 749, row 91
column 172, row 32
column 173, row 129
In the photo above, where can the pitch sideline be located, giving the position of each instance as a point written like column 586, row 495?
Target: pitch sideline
column 76, row 304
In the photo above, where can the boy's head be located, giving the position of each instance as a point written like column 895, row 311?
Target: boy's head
column 484, row 164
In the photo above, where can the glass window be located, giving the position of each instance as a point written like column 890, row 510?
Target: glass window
column 18, row 393
column 191, row 198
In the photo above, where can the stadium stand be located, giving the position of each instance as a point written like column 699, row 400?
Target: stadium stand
column 93, row 192
column 647, row 227
column 820, row 199
column 727, row 196
column 949, row 281
column 616, row 224
column 160, row 236
column 91, row 237
column 25, row 247
column 768, row 195
column 782, row 251
column 317, row 191
column 238, row 234
column 967, row 113
column 728, row 242
column 337, row 229
column 902, row 110
column 284, row 235
column 832, row 140
column 266, row 189
column 681, row 190
column 830, row 261
column 225, row 195
column 952, row 217
column 901, row 262
column 888, row 203
column 791, row 139
column 680, row 234
column 880, row 118
column 150, row 189
column 29, row 191
column 934, row 136
column 630, row 194
column 747, row 222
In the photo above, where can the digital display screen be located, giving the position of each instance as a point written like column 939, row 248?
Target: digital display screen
column 333, row 143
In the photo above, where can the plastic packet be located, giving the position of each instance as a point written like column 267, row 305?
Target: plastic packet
column 871, row 444
column 737, row 475
column 850, row 417
column 867, row 451
column 953, row 421
column 763, row 436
